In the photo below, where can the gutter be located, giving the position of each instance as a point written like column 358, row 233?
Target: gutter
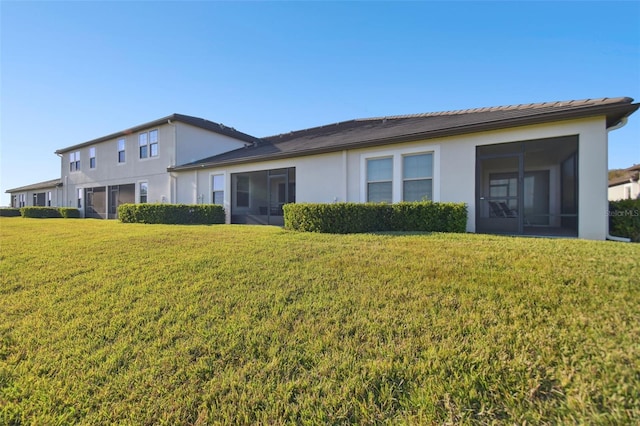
column 621, row 124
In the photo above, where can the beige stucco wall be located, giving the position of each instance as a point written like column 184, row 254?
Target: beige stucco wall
column 192, row 143
column 340, row 176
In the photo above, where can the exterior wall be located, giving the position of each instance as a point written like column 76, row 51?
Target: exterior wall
column 319, row 178
column 109, row 171
column 624, row 191
column 341, row 176
column 178, row 143
column 56, row 197
column 194, row 143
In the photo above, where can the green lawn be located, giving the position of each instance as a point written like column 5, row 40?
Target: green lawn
column 110, row 323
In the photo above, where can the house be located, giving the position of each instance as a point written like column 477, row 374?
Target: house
column 533, row 169
column 130, row 166
column 44, row 194
column 627, row 186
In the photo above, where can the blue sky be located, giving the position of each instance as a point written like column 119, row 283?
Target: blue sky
column 75, row 71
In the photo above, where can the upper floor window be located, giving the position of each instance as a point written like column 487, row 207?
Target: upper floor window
column 148, row 144
column 417, row 177
column 92, row 157
column 74, row 161
column 121, row 147
column 379, row 180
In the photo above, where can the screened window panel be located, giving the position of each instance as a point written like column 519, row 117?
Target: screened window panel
column 379, row 169
column 418, row 190
column 218, row 197
column 417, row 166
column 218, row 183
column 379, row 192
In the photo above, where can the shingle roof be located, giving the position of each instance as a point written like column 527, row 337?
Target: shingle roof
column 40, row 185
column 403, row 128
column 187, row 119
column 631, row 173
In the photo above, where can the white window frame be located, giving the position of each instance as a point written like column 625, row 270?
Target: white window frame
column 387, row 157
column 140, row 183
column 74, row 161
column 92, row 156
column 149, row 146
column 398, row 155
column 422, row 178
column 80, row 196
column 212, row 190
column 123, row 150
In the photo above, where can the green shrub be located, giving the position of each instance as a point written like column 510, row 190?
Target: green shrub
column 343, row 218
column 9, row 212
column 430, row 217
column 624, row 219
column 40, row 212
column 171, row 213
column 69, row 212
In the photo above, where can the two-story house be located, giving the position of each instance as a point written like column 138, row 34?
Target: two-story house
column 130, row 166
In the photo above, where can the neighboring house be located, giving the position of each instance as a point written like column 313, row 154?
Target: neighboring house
column 43, row 194
column 131, row 166
column 627, row 186
column 535, row 169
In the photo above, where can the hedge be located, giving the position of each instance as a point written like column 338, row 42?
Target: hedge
column 171, row 213
column 344, row 218
column 624, row 219
column 9, row 212
column 69, row 212
column 40, row 212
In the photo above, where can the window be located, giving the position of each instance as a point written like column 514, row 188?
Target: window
column 242, row 191
column 379, row 180
column 148, row 144
column 143, row 192
column 49, row 199
column 92, row 157
column 74, row 161
column 218, row 189
column 121, row 145
column 143, row 143
column 22, row 200
column 79, row 198
column 417, row 177
column 153, row 143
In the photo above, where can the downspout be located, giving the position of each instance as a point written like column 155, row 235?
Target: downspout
column 616, row 127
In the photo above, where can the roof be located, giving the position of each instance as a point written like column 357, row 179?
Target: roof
column 187, row 119
column 40, row 185
column 631, row 173
column 404, row 128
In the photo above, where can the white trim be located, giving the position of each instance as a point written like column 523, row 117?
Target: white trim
column 224, row 189
column 137, row 191
column 397, row 156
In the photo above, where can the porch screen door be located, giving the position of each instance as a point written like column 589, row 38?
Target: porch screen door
column 499, row 194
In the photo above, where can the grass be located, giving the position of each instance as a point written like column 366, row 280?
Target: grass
column 110, row 323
